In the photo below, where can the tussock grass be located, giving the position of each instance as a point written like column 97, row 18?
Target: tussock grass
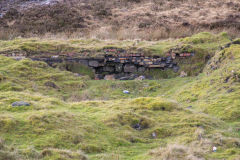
column 217, row 91
column 179, row 118
column 62, row 154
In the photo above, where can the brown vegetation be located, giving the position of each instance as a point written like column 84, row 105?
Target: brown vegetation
column 124, row 19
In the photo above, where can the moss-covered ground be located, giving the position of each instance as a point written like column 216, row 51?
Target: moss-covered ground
column 72, row 117
column 206, row 42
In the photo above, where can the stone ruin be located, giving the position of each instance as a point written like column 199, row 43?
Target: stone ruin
column 115, row 63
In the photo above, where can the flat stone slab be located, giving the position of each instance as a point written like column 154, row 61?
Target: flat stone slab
column 20, row 103
column 130, row 68
column 93, row 63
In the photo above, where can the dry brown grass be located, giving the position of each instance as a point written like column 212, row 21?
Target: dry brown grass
column 125, row 19
column 202, row 145
column 64, row 154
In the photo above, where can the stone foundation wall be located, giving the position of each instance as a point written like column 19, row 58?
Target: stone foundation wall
column 117, row 63
column 122, row 65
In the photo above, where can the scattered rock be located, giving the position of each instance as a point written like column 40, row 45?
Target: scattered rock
column 189, row 107
column 124, row 78
column 51, row 84
column 77, row 74
column 183, row 74
column 154, row 135
column 109, row 77
column 99, row 76
column 214, row 149
column 230, row 90
column 175, row 68
column 129, row 68
column 19, row 58
column 137, row 126
column 93, row 63
column 128, row 77
column 108, row 69
column 140, row 78
column 126, row 92
column 141, row 69
column 20, row 103
column 226, row 80
column 83, row 62
column 119, row 68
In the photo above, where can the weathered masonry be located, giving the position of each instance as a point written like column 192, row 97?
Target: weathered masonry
column 115, row 62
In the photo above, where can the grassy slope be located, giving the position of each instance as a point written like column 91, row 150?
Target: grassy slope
column 204, row 45
column 55, row 126
column 202, row 41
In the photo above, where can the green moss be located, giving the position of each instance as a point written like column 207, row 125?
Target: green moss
column 164, row 106
column 160, row 74
column 56, row 154
column 162, row 132
column 200, row 111
column 81, row 69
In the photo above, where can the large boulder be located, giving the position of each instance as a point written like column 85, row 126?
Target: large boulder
column 141, row 69
column 108, row 69
column 83, row 62
column 119, row 67
column 175, row 68
column 129, row 68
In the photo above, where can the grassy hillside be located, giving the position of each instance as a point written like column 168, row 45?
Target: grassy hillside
column 117, row 19
column 77, row 118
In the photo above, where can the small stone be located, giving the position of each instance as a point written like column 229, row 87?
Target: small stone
column 128, row 68
column 109, row 77
column 20, row 103
column 93, row 63
column 141, row 69
column 140, row 78
column 189, row 107
column 99, row 76
column 83, row 62
column 154, row 135
column 183, row 74
column 137, row 126
column 132, row 76
column 214, row 149
column 51, row 84
column 108, row 69
column 55, row 56
column 124, row 78
column 77, row 74
column 118, row 68
column 175, row 68
column 230, row 90
column 126, row 92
